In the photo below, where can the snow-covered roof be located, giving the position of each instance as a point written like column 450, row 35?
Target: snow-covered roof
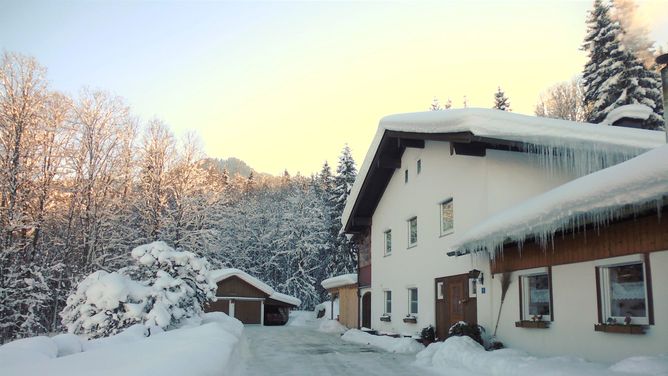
column 221, row 274
column 588, row 143
column 339, row 280
column 633, row 111
column 595, row 198
column 285, row 298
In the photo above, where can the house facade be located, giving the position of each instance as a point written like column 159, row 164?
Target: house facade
column 429, row 178
column 594, row 289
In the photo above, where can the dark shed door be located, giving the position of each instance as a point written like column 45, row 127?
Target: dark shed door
column 219, row 306
column 248, row 312
column 366, row 310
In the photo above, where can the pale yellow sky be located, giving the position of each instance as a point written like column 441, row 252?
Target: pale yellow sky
column 286, row 84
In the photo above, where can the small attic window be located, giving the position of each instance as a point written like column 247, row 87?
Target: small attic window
column 406, row 176
column 419, row 166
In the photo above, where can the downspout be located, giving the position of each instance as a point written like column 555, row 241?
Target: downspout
column 663, row 60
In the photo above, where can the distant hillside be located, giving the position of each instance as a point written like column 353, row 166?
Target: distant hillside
column 233, row 166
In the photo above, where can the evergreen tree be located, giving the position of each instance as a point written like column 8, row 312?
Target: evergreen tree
column 344, row 257
column 613, row 76
column 501, row 102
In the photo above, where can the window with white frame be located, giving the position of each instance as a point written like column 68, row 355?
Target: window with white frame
column 447, row 217
column 413, row 301
column 388, row 242
column 388, row 302
column 536, row 296
column 623, row 293
column 412, row 232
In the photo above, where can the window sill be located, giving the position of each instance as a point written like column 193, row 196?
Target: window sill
column 532, row 324
column 444, row 234
column 411, row 320
column 620, row 328
column 386, row 318
column 412, row 246
column 387, row 254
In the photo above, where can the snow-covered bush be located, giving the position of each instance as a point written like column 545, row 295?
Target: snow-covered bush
column 163, row 289
column 105, row 303
column 180, row 281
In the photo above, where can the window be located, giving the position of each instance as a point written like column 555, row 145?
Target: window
column 388, row 242
column 413, row 301
column 447, row 217
column 405, row 176
column 388, row 302
column 419, row 166
column 536, row 294
column 623, row 293
column 412, row 232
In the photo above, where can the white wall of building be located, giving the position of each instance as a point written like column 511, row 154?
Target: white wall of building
column 576, row 312
column 479, row 187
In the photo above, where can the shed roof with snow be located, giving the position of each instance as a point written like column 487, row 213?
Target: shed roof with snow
column 339, row 281
column 222, row 274
column 582, row 146
column 596, row 198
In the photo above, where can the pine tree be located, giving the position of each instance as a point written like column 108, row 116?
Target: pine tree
column 501, row 102
column 613, row 76
column 344, row 258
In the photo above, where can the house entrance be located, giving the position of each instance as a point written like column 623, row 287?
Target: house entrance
column 366, row 310
column 453, row 303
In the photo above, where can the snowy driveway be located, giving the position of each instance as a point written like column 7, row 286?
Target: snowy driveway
column 302, row 350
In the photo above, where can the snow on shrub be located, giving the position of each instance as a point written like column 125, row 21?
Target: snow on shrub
column 165, row 288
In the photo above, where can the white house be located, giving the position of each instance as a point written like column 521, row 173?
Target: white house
column 586, row 263
column 428, row 178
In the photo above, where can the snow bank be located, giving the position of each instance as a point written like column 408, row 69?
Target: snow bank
column 302, row 318
column 402, row 345
column 221, row 274
column 633, row 111
column 643, row 365
column 464, row 356
column 331, row 326
column 339, row 280
column 579, row 147
column 212, row 348
column 596, row 198
column 68, row 344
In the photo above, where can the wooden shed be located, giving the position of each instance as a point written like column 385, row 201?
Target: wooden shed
column 344, row 289
column 248, row 299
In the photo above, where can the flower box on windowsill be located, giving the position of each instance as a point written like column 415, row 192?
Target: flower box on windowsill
column 620, row 328
column 386, row 318
column 410, row 319
column 532, row 324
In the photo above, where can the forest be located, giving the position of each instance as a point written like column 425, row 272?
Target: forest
column 83, row 181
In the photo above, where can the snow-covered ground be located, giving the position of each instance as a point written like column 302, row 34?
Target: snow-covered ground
column 306, row 346
column 213, row 348
column 301, row 349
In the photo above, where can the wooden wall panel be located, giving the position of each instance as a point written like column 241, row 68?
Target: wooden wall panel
column 639, row 235
column 235, row 286
column 348, row 306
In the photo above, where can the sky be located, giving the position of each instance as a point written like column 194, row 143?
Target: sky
column 284, row 85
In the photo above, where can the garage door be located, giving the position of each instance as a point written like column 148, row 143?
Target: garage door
column 248, row 312
column 218, row 306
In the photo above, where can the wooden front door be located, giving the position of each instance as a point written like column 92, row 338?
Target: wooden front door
column 453, row 303
column 366, row 310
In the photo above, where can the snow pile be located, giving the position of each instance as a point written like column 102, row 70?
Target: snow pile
column 339, row 280
column 165, row 289
column 464, row 356
column 643, row 365
column 330, row 312
column 559, row 144
column 633, row 111
column 403, row 345
column 597, row 198
column 302, row 318
column 222, row 274
column 331, row 326
column 214, row 348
